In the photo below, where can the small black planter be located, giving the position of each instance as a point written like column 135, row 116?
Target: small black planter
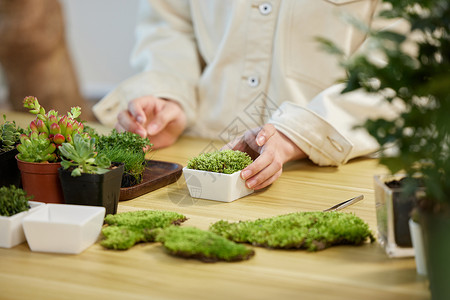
column 93, row 189
column 9, row 172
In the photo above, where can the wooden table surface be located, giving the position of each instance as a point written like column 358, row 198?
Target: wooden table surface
column 147, row 272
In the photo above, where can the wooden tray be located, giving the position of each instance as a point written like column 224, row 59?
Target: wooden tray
column 156, row 175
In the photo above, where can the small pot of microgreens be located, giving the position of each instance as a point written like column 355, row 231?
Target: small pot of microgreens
column 216, row 175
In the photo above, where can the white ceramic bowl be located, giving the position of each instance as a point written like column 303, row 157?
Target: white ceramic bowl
column 215, row 186
column 63, row 228
column 11, row 230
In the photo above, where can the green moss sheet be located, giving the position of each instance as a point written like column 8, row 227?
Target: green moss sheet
column 302, row 230
column 124, row 230
column 190, row 242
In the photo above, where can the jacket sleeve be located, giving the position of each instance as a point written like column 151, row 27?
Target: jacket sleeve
column 325, row 128
column 164, row 28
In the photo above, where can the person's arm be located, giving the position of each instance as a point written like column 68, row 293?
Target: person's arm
column 323, row 131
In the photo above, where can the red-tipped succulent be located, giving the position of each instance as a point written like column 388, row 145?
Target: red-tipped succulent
column 47, row 132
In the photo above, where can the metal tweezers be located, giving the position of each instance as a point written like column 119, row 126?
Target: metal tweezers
column 345, row 203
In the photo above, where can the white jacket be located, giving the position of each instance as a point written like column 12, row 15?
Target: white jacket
column 237, row 64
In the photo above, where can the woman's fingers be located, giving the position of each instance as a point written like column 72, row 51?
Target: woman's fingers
column 264, row 168
column 164, row 114
column 126, row 122
column 266, row 132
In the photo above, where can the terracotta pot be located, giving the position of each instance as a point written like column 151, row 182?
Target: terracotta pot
column 42, row 181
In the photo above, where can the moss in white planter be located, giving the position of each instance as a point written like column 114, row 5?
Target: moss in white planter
column 13, row 200
column 126, row 229
column 225, row 161
column 14, row 206
column 302, row 230
column 216, row 175
column 190, row 242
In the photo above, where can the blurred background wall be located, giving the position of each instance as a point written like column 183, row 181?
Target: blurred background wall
column 100, row 37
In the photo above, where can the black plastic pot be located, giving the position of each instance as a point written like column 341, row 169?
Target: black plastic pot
column 9, row 172
column 93, row 189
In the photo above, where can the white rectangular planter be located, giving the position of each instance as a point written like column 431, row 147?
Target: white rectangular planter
column 215, row 186
column 63, row 228
column 11, row 230
column 419, row 251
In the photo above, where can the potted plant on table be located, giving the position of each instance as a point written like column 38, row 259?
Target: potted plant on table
column 39, row 157
column 128, row 148
column 14, row 206
column 216, row 175
column 420, row 82
column 9, row 138
column 87, row 176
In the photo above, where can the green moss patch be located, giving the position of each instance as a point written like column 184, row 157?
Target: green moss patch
column 126, row 229
column 303, row 230
column 190, row 242
column 225, row 161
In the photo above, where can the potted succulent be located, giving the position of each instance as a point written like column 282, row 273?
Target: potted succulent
column 128, row 148
column 216, row 175
column 9, row 138
column 88, row 177
column 14, row 206
column 419, row 81
column 39, row 157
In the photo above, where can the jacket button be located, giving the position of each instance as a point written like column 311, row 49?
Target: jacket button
column 253, row 81
column 265, row 8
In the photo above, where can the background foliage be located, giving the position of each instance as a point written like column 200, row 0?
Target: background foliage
column 420, row 81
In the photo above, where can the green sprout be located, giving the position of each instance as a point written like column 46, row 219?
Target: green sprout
column 225, row 161
column 302, row 230
column 128, row 148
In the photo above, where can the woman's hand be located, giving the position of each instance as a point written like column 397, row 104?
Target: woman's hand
column 162, row 121
column 270, row 149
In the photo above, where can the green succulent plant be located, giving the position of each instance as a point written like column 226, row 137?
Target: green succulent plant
column 47, row 132
column 9, row 135
column 225, row 161
column 13, row 200
column 82, row 157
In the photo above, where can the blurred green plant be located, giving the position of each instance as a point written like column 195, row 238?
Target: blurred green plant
column 420, row 82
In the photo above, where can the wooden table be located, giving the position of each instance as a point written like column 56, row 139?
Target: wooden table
column 147, row 272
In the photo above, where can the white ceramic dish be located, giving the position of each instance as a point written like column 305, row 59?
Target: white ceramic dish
column 11, row 230
column 63, row 228
column 215, row 186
